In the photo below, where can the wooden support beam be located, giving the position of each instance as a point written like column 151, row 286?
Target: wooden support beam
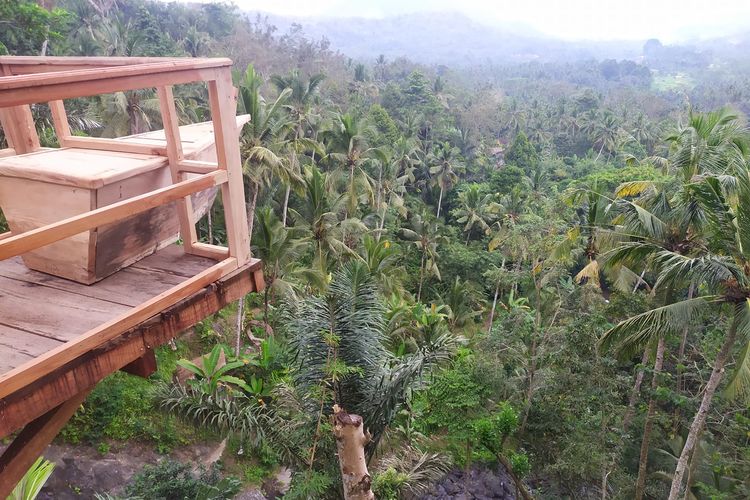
column 143, row 367
column 214, row 252
column 30, row 240
column 33, row 440
column 60, row 122
column 222, row 97
column 100, row 144
column 84, row 372
column 18, row 125
column 174, row 153
column 197, row 167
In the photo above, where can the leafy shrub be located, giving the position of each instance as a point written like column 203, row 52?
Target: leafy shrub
column 170, row 480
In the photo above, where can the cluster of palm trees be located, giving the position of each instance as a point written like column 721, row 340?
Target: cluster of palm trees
column 691, row 238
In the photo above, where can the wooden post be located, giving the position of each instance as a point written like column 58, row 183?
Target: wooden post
column 60, row 122
column 18, row 125
column 174, row 153
column 143, row 367
column 32, row 441
column 222, row 97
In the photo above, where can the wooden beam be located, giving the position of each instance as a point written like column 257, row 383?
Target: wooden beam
column 32, row 441
column 215, row 252
column 85, row 371
column 223, row 113
column 174, row 153
column 45, row 87
column 31, row 371
column 30, row 240
column 7, row 152
column 60, row 122
column 197, row 167
column 143, row 367
column 101, row 144
column 20, row 131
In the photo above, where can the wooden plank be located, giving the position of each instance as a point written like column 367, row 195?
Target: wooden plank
column 31, row 442
column 52, row 360
column 102, row 144
column 29, row 89
column 215, row 252
column 164, row 262
column 56, row 314
column 174, row 153
column 197, row 167
column 223, row 106
column 20, row 132
column 6, row 234
column 85, row 371
column 7, row 152
column 143, row 367
column 21, row 243
column 128, row 287
column 60, row 122
column 18, row 346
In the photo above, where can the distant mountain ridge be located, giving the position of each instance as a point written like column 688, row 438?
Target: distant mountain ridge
column 454, row 39
column 447, row 38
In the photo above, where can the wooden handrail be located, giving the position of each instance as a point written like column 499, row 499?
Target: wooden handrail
column 31, row 240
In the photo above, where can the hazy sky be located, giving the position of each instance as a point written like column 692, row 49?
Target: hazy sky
column 667, row 20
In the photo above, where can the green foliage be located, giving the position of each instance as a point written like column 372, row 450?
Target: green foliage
column 170, row 480
column 25, row 26
column 522, row 154
column 31, row 484
column 387, row 484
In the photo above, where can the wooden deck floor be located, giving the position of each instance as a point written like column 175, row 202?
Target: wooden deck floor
column 39, row 312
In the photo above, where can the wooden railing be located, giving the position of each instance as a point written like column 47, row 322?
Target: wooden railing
column 30, row 80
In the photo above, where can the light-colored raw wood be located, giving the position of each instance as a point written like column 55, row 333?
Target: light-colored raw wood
column 215, row 252
column 45, row 87
column 67, row 257
column 60, row 122
column 197, row 167
column 115, row 145
column 32, row 441
column 6, row 234
column 21, row 243
column 174, row 153
column 52, row 360
column 222, row 99
column 18, row 125
column 7, row 152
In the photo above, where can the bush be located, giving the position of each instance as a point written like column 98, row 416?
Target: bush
column 170, row 480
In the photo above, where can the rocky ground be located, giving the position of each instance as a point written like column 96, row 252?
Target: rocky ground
column 478, row 483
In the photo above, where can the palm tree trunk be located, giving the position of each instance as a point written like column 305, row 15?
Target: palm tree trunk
column 421, row 277
column 600, row 152
column 286, row 204
column 700, row 418
column 348, row 429
column 494, row 301
column 250, row 208
column 634, row 394
column 640, row 485
column 440, row 201
column 240, row 318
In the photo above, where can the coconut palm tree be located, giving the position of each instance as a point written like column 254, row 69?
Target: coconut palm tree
column 721, row 266
column 425, row 236
column 260, row 137
column 302, row 94
column 476, row 211
column 444, row 170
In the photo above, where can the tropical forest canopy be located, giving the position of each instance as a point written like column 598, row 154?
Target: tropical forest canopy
column 542, row 267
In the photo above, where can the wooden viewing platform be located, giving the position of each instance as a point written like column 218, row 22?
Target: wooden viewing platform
column 59, row 338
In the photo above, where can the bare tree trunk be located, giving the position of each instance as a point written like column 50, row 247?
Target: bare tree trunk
column 494, row 301
column 210, row 226
column 626, row 419
column 600, row 152
column 421, row 277
column 350, row 443
column 440, row 201
column 240, row 321
column 250, row 208
column 286, row 205
column 640, row 485
column 700, row 417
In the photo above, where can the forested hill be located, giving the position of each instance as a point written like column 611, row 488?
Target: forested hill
column 454, row 39
column 448, row 38
column 532, row 274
